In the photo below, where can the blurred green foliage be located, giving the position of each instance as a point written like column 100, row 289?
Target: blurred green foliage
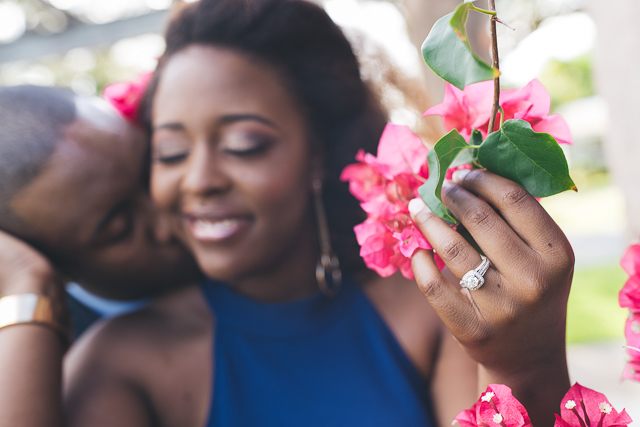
column 568, row 81
column 593, row 312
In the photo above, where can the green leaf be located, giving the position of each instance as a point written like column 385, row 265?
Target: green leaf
column 463, row 158
column 533, row 160
column 440, row 159
column 447, row 52
column 470, row 155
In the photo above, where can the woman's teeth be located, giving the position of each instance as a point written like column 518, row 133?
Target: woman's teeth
column 215, row 230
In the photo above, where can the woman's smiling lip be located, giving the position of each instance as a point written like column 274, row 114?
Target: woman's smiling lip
column 215, row 228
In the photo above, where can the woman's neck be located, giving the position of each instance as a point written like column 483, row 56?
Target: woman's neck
column 289, row 278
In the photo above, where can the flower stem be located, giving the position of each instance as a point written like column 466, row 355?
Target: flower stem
column 601, row 419
column 586, row 416
column 496, row 65
column 582, row 423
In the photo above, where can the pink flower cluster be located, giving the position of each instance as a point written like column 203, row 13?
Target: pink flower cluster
column 385, row 184
column 583, row 407
column 629, row 297
column 126, row 97
column 470, row 109
column 580, row 407
column 496, row 407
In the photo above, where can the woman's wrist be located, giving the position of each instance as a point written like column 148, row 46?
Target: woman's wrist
column 34, row 309
column 39, row 279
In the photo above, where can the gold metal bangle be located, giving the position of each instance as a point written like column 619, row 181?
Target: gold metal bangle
column 30, row 309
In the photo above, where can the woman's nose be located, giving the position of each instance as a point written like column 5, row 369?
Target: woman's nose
column 205, row 174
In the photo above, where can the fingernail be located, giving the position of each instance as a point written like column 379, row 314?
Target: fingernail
column 416, row 205
column 458, row 175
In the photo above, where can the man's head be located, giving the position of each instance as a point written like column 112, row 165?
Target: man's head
column 74, row 186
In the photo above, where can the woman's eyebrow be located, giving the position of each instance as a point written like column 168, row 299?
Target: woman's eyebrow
column 232, row 118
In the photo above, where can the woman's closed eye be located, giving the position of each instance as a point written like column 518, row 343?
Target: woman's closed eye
column 245, row 144
column 170, row 151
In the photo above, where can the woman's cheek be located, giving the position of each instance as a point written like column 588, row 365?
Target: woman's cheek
column 164, row 186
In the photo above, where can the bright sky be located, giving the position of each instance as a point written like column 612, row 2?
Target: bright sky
column 562, row 37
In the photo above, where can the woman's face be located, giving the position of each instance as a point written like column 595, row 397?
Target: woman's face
column 233, row 165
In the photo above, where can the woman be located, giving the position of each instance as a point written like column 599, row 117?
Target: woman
column 254, row 108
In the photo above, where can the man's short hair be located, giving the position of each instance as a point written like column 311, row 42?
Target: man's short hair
column 32, row 122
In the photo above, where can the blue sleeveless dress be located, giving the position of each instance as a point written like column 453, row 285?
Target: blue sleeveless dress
column 314, row 362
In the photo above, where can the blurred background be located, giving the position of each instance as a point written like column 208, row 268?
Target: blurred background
column 582, row 51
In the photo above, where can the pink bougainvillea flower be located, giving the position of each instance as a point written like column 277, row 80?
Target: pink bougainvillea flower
column 385, row 184
column 630, row 294
column 629, row 297
column 126, row 97
column 364, row 181
column 377, row 246
column 632, row 371
column 630, row 261
column 583, row 407
column 496, row 407
column 470, row 109
column 632, row 333
column 466, row 109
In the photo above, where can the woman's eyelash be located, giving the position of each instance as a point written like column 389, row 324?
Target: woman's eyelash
column 247, row 151
column 174, row 158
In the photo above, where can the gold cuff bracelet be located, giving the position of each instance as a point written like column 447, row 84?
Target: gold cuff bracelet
column 30, row 308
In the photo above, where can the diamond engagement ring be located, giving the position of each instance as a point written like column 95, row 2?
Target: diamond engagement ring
column 474, row 279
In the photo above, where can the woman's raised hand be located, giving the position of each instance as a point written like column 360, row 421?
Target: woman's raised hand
column 514, row 325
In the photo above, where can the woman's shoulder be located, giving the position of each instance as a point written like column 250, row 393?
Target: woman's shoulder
column 408, row 315
column 164, row 319
column 139, row 353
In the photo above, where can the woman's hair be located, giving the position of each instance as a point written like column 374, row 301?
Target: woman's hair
column 317, row 65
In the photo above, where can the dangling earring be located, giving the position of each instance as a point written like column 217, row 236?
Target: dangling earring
column 328, row 265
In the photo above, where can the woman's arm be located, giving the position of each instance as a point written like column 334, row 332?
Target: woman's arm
column 454, row 382
column 30, row 354
column 514, row 326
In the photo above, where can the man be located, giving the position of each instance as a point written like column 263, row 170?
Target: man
column 74, row 186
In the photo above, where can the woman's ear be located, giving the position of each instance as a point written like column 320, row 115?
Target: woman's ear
column 317, row 161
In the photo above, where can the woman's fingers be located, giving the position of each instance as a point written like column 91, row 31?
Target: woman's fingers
column 454, row 250
column 498, row 241
column 519, row 209
column 463, row 311
column 452, row 306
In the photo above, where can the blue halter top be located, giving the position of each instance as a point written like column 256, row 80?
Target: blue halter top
column 314, row 362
